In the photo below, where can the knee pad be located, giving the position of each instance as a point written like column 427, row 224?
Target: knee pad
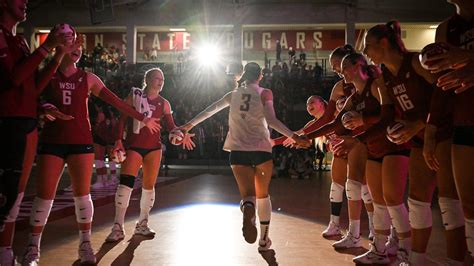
column 264, row 209
column 40, row 211
column 365, row 194
column 400, row 218
column 247, row 200
column 470, row 235
column 148, row 199
column 127, row 180
column 353, row 190
column 420, row 214
column 84, row 209
column 336, row 193
column 451, row 212
column 381, row 217
column 13, row 214
column 122, row 196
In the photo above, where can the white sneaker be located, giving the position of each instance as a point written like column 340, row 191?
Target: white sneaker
column 348, row 241
column 402, row 258
column 31, row 257
column 117, row 234
column 7, row 257
column 68, row 188
column 264, row 245
column 391, row 246
column 373, row 256
column 249, row 230
column 86, row 253
column 333, row 229
column 142, row 229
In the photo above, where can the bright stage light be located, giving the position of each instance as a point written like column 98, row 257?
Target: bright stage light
column 208, row 55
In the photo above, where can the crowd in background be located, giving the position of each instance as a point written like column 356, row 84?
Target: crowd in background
column 191, row 89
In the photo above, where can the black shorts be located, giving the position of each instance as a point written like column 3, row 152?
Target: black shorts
column 249, row 158
column 64, row 150
column 98, row 140
column 405, row 153
column 464, row 136
column 143, row 152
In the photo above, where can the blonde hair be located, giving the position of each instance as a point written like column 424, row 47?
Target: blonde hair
column 148, row 74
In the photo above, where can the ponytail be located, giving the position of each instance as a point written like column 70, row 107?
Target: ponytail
column 373, row 71
column 392, row 32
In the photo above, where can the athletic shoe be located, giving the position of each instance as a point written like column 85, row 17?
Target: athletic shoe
column 264, row 245
column 249, row 230
column 402, row 258
column 348, row 241
column 86, row 253
column 31, row 257
column 68, row 188
column 333, row 229
column 7, row 257
column 373, row 256
column 391, row 246
column 117, row 234
column 142, row 229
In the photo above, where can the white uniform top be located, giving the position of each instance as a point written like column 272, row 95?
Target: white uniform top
column 248, row 129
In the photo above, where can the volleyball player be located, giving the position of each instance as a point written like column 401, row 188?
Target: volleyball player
column 143, row 149
column 339, row 166
column 70, row 142
column 248, row 140
column 456, row 31
column 374, row 112
column 410, row 88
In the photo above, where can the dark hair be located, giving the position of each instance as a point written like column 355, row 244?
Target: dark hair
column 251, row 73
column 342, row 51
column 390, row 30
column 371, row 70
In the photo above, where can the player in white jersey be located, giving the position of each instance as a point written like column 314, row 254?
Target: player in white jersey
column 248, row 141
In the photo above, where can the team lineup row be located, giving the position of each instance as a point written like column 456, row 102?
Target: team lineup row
column 404, row 118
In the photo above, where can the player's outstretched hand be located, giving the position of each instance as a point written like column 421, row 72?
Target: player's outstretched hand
column 153, row 124
column 52, row 113
column 188, row 142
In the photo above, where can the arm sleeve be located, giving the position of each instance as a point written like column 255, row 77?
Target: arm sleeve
column 112, row 99
column 211, row 110
column 273, row 122
column 169, row 122
column 45, row 75
column 335, row 125
column 327, row 117
column 387, row 116
column 24, row 69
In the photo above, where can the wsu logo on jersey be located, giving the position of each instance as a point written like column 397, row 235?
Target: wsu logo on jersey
column 67, row 86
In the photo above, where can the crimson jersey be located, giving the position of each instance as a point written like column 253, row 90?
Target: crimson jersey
column 70, row 95
column 410, row 92
column 366, row 104
column 461, row 33
column 146, row 139
column 17, row 100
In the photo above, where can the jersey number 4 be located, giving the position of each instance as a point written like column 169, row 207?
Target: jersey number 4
column 245, row 106
column 67, row 97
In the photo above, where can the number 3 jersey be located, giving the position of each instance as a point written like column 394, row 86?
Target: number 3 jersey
column 248, row 129
column 70, row 96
